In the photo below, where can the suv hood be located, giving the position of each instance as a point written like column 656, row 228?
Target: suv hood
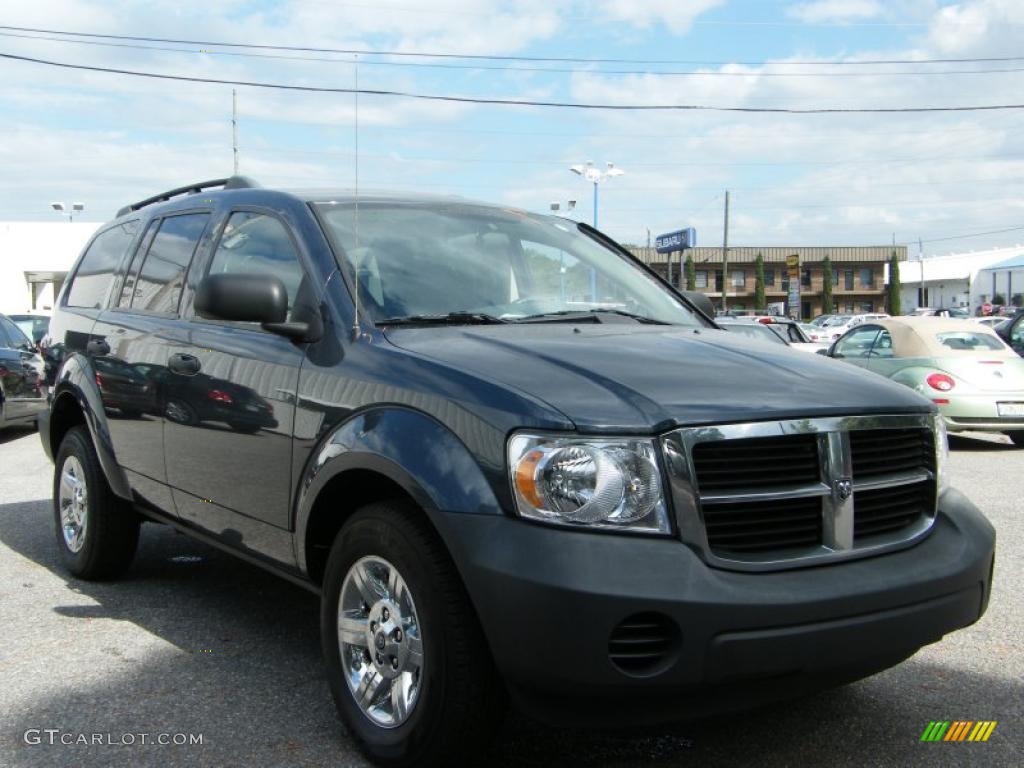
column 620, row 376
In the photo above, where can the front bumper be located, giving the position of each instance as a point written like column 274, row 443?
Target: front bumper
column 549, row 599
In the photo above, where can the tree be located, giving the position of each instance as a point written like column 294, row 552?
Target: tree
column 999, row 299
column 759, row 299
column 893, row 299
column 691, row 274
column 826, row 286
column 1017, row 300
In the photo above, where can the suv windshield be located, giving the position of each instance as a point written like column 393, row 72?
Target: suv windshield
column 475, row 263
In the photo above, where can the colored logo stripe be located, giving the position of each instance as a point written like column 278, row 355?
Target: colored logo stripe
column 958, row 730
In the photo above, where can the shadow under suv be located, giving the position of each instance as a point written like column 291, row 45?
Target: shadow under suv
column 514, row 463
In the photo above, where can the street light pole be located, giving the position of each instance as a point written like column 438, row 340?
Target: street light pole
column 595, row 176
column 63, row 210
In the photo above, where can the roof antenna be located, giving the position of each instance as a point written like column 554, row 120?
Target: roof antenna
column 356, row 330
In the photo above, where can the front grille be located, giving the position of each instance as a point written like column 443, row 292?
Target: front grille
column 769, row 494
column 884, row 510
column 759, row 462
column 643, row 643
column 761, row 526
column 886, row 451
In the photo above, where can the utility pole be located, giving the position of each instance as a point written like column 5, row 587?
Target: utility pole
column 234, row 127
column 725, row 255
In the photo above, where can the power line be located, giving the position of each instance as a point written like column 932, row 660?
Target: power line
column 518, row 68
column 495, row 57
column 521, row 102
column 963, row 237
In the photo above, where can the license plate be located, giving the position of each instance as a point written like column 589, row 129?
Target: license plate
column 1011, row 409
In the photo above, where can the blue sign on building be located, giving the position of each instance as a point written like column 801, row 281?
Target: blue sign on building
column 679, row 240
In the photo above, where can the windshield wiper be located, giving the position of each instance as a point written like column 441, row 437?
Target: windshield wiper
column 570, row 315
column 451, row 318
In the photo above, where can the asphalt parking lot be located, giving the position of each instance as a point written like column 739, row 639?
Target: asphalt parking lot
column 193, row 641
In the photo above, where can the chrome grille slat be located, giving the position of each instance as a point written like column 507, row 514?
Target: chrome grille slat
column 767, row 495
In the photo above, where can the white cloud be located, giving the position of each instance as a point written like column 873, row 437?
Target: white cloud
column 677, row 15
column 835, row 11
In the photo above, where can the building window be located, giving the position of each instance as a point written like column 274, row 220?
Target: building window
column 867, row 278
column 739, row 278
column 701, row 279
column 835, row 277
column 848, row 279
column 769, row 277
column 848, row 308
column 719, row 280
column 805, row 277
column 866, row 306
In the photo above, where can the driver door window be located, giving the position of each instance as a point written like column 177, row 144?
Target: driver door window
column 256, row 243
column 856, row 345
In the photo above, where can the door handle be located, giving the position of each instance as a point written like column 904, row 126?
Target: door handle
column 187, row 365
column 97, row 347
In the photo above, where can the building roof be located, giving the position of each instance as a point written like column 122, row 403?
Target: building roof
column 954, row 266
column 775, row 255
column 1014, row 262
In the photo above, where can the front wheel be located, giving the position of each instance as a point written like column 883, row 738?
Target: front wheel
column 408, row 664
column 97, row 532
column 1017, row 437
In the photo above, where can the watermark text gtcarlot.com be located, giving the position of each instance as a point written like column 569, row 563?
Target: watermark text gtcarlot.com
column 55, row 736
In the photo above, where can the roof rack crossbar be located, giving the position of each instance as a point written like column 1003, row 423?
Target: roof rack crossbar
column 232, row 182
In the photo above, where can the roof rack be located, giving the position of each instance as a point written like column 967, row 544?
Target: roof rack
column 233, row 182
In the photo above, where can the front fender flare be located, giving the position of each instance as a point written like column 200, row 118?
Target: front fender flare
column 77, row 379
column 408, row 447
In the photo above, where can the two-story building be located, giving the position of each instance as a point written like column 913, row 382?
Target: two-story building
column 859, row 275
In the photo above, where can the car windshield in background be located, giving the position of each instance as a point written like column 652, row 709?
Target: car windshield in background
column 468, row 263
column 755, row 331
column 965, row 341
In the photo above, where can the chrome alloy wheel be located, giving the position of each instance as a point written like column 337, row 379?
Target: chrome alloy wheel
column 74, row 500
column 380, row 641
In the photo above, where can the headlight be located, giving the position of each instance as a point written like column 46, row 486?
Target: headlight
column 597, row 483
column 941, row 453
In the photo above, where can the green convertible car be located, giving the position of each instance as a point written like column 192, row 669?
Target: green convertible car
column 975, row 379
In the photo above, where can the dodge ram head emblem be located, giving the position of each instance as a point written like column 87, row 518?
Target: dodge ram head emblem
column 842, row 488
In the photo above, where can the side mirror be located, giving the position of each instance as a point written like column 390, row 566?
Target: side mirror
column 821, row 352
column 701, row 302
column 243, row 297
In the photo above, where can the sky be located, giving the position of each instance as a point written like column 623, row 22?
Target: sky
column 794, row 179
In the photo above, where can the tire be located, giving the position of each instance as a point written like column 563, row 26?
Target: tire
column 1017, row 438
column 98, row 534
column 459, row 699
column 180, row 412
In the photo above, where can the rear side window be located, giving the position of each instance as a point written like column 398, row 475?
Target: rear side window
column 162, row 275
column 15, row 335
column 4, row 341
column 95, row 273
column 967, row 341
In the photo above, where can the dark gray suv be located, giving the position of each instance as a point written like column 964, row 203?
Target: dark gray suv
column 514, row 463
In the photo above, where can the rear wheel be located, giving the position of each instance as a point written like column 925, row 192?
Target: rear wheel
column 1016, row 437
column 97, row 532
column 408, row 664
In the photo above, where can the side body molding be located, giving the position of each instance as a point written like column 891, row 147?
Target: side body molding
column 77, row 379
column 410, row 448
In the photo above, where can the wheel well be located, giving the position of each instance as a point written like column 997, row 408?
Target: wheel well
column 338, row 500
column 65, row 414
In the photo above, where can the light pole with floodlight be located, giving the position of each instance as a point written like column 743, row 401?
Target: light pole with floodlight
column 595, row 176
column 69, row 212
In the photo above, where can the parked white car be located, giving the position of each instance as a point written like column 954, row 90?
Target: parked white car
column 833, row 330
